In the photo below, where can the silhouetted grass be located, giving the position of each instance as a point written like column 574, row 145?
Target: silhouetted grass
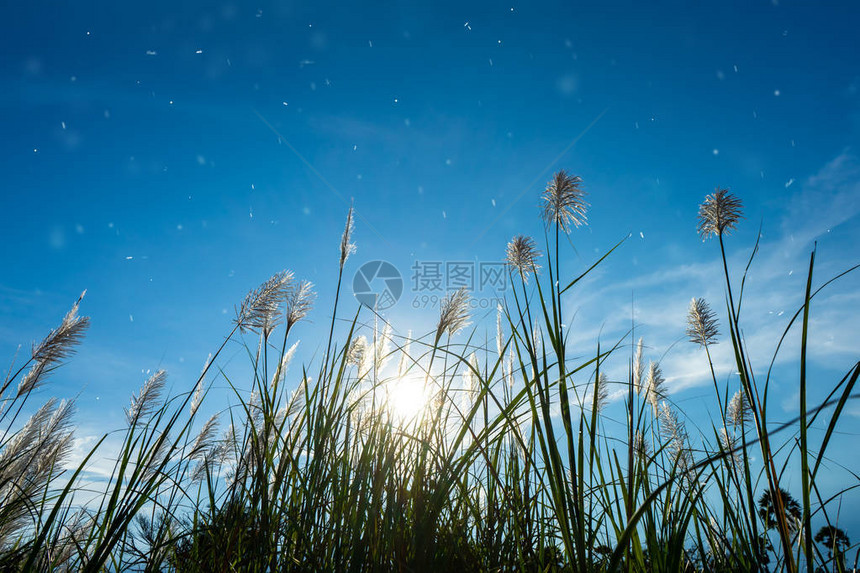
column 505, row 464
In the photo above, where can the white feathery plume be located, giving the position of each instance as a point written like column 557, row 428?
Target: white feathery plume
column 674, row 430
column 638, row 369
column 33, row 456
column 453, row 313
column 206, row 365
column 299, row 301
column 521, row 256
column 150, row 393
column 470, row 384
column 158, row 458
column 702, row 324
column 203, row 467
column 255, row 407
column 564, row 202
column 719, row 214
column 357, row 350
column 281, row 371
column 739, row 411
column 261, row 307
column 499, row 332
column 297, row 398
column 640, row 446
column 601, row 392
column 197, row 398
column 32, row 378
column 360, row 355
column 382, row 348
column 347, row 247
column 729, row 443
column 60, row 342
column 654, row 385
column 14, row 449
column 204, row 439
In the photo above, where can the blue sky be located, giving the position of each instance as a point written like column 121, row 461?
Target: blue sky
column 168, row 157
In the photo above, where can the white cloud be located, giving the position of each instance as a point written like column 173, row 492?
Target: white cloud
column 773, row 293
column 827, row 199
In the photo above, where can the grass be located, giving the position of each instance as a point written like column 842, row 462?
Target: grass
column 501, row 460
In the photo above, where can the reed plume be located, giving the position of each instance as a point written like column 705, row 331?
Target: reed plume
column 719, row 214
column 197, row 397
column 728, row 443
column 499, row 332
column 674, row 431
column 205, row 438
column 261, row 307
column 60, row 342
column 453, row 313
column 347, row 247
column 654, row 385
column 29, row 461
column 638, row 369
column 521, row 256
column 281, row 371
column 146, row 402
column 601, row 392
column 640, row 445
column 158, row 455
column 739, row 411
column 32, row 378
column 702, row 324
column 357, row 350
column 470, row 383
column 564, row 202
column 508, row 371
column 382, row 348
column 360, row 355
column 299, row 301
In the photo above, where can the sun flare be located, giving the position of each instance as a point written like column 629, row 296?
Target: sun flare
column 407, row 398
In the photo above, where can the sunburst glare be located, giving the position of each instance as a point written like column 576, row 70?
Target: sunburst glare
column 406, row 397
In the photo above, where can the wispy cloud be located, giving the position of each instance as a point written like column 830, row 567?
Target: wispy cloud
column 773, row 292
column 826, row 200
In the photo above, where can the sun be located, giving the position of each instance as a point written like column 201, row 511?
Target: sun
column 406, row 398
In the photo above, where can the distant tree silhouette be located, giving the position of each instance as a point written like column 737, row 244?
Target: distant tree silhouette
column 836, row 542
column 790, row 507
